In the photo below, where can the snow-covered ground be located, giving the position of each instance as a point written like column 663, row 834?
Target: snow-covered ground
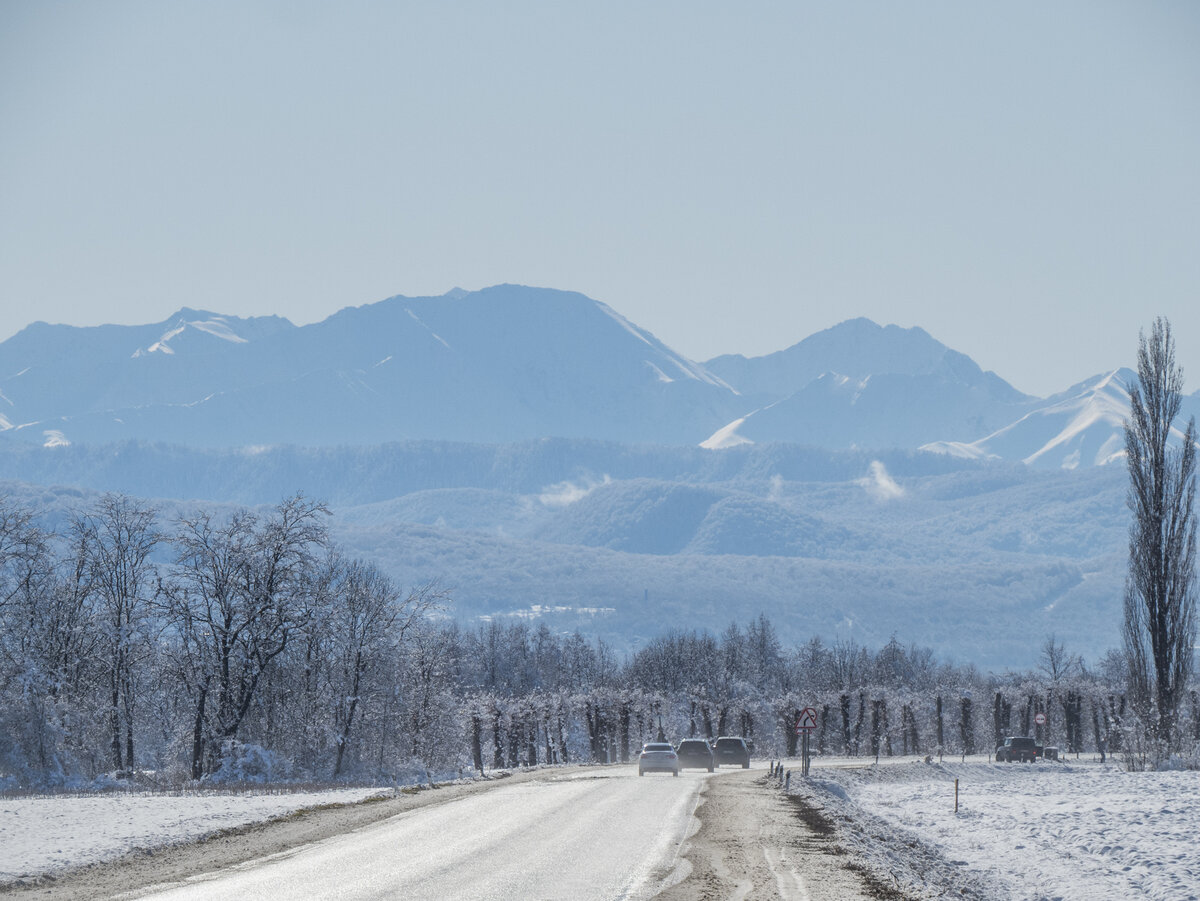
column 46, row 835
column 1073, row 830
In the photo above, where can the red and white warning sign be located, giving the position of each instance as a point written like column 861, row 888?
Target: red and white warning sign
column 807, row 719
column 1039, row 718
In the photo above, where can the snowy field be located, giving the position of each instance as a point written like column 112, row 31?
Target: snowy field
column 1072, row 830
column 40, row 836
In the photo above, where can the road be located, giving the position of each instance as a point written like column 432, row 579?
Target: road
column 578, row 833
column 605, row 834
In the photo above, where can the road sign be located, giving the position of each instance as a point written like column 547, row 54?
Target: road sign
column 806, row 721
column 1040, row 719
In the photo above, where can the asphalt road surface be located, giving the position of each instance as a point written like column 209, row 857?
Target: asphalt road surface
column 606, row 834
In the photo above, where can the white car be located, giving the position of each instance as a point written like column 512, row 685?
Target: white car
column 658, row 756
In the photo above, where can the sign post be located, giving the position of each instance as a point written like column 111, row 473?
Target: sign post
column 805, row 723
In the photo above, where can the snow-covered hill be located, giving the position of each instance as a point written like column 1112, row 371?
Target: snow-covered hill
column 979, row 560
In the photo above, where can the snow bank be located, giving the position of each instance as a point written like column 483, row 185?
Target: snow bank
column 1077, row 830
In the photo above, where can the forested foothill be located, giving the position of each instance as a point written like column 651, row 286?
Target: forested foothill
column 243, row 645
column 976, row 560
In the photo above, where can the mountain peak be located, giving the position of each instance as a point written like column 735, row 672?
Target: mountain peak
column 856, row 348
column 197, row 328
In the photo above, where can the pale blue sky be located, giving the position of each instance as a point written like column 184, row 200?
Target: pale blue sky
column 1020, row 179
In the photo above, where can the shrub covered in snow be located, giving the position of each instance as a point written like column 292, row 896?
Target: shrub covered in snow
column 242, row 762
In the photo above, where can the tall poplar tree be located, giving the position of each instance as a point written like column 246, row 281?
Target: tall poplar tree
column 1160, row 592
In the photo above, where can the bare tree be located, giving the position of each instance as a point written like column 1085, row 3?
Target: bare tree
column 1160, row 594
column 114, row 540
column 369, row 617
column 20, row 541
column 1056, row 663
column 234, row 604
column 427, row 683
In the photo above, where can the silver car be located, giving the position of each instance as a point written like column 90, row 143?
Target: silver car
column 658, row 756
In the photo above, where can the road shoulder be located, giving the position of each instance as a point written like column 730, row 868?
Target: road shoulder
column 755, row 843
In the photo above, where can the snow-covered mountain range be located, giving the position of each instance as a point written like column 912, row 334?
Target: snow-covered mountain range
column 512, row 363
column 501, row 364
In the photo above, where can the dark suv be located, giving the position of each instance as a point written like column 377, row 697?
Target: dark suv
column 1017, row 748
column 731, row 750
column 695, row 753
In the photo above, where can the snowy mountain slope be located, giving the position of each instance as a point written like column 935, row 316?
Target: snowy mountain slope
column 861, row 385
column 856, row 349
column 882, row 410
column 500, row 364
column 1082, row 426
column 58, row 372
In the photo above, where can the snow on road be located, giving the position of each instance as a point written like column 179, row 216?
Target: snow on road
column 1063, row 831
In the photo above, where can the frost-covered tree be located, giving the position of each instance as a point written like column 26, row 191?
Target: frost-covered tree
column 1056, row 662
column 1160, row 595
column 45, row 648
column 370, row 618
column 427, row 689
column 235, row 602
column 115, row 539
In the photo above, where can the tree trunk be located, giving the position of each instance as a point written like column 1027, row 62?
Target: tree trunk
column 968, row 728
column 198, row 733
column 115, row 724
column 477, row 743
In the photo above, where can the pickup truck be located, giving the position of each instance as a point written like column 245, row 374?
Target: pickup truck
column 1017, row 748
